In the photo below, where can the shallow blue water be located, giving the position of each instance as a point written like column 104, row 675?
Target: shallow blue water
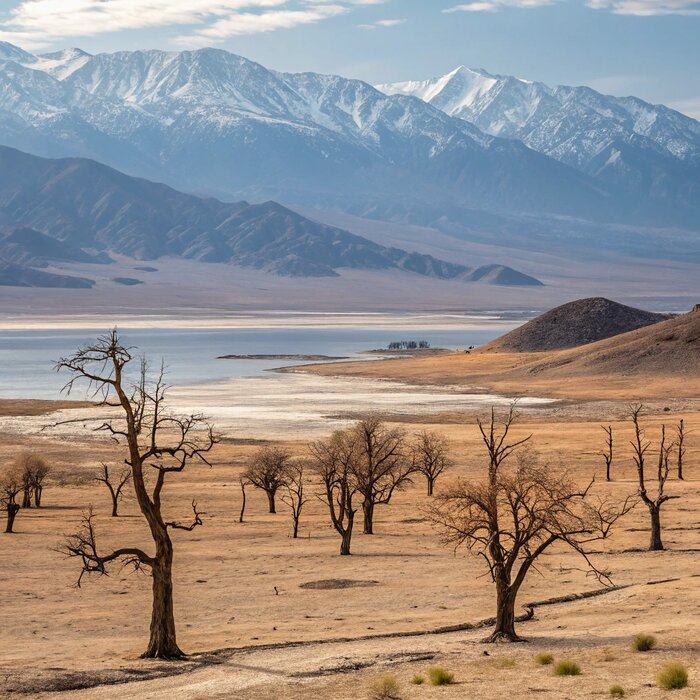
column 27, row 357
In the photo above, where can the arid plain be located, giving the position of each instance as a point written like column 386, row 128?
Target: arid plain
column 253, row 632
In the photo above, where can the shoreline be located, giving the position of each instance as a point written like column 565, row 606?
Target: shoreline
column 448, row 320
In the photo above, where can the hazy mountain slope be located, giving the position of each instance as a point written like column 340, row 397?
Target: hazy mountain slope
column 12, row 275
column 577, row 323
column 634, row 146
column 81, row 205
column 214, row 122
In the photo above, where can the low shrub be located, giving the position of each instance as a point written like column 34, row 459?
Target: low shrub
column 617, row 691
column 418, row 679
column 385, row 688
column 644, row 642
column 440, row 676
column 672, row 676
column 567, row 668
column 544, row 659
column 505, row 663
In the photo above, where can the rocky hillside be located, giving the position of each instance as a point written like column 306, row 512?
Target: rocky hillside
column 577, row 323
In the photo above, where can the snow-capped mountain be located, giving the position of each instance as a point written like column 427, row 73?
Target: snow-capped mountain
column 209, row 121
column 215, row 123
column 624, row 141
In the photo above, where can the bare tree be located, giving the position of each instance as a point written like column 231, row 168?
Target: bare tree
column 294, row 495
column 608, row 453
column 155, row 440
column 32, row 470
column 680, row 447
column 268, row 471
column 381, row 465
column 430, row 456
column 24, row 465
column 38, row 475
column 640, row 447
column 333, row 461
column 115, row 485
column 243, row 483
column 10, row 488
column 516, row 514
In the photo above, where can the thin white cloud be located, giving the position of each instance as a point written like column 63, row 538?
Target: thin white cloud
column 640, row 8
column 647, row 8
column 35, row 23
column 383, row 23
column 496, row 5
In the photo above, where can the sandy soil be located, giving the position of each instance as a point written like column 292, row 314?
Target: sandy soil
column 508, row 373
column 239, row 628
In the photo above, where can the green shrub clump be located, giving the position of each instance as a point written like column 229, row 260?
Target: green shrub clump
column 644, row 642
column 544, row 659
column 567, row 668
column 440, row 676
column 418, row 679
column 385, row 688
column 617, row 691
column 673, row 676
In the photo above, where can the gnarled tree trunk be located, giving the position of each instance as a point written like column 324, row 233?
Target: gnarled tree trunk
column 271, row 501
column 655, row 543
column 12, row 510
column 37, row 495
column 368, row 512
column 163, row 639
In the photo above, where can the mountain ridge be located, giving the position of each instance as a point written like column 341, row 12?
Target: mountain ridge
column 79, row 210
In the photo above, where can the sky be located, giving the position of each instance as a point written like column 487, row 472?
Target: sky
column 647, row 48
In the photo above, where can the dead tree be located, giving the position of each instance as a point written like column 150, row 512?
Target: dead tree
column 333, row 461
column 430, row 457
column 115, row 485
column 39, row 474
column 293, row 495
column 268, row 471
column 516, row 514
column 640, row 447
column 156, row 441
column 10, row 488
column 680, row 447
column 608, row 454
column 32, row 470
column 240, row 517
column 381, row 465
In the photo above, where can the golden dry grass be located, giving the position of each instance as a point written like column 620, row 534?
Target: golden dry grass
column 226, row 575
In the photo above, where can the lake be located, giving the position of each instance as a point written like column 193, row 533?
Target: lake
column 243, row 396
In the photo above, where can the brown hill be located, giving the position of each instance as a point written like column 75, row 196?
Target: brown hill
column 669, row 348
column 574, row 324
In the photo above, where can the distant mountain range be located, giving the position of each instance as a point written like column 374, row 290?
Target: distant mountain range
column 77, row 210
column 630, row 145
column 212, row 122
column 482, row 158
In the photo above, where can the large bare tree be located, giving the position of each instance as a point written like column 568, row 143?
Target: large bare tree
column 115, row 484
column 333, row 461
column 381, row 464
column 268, row 470
column 10, row 488
column 654, row 502
column 157, row 442
column 516, row 514
column 430, row 455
